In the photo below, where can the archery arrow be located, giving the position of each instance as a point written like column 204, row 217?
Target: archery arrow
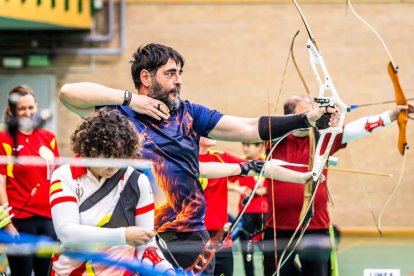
column 355, row 106
column 359, row 172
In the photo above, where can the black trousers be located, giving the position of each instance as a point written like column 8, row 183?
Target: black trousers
column 252, row 222
column 314, row 254
column 23, row 265
column 224, row 260
column 185, row 247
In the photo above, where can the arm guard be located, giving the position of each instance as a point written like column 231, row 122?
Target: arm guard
column 364, row 126
column 272, row 127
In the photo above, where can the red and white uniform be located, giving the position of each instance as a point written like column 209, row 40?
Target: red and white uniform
column 28, row 185
column 216, row 192
column 288, row 197
column 70, row 186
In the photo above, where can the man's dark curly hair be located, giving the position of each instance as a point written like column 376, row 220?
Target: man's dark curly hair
column 151, row 57
column 106, row 133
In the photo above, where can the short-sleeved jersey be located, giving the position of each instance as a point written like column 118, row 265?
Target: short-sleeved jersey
column 28, row 185
column 172, row 146
column 287, row 197
column 216, row 191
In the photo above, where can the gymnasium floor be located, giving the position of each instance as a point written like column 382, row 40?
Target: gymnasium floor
column 357, row 253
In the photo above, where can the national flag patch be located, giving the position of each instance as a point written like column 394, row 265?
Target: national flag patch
column 55, row 187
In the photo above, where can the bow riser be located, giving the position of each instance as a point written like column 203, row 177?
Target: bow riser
column 320, row 160
column 325, row 87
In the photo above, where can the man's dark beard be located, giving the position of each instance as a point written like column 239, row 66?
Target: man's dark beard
column 159, row 93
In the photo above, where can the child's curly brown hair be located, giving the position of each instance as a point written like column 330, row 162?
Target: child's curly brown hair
column 106, row 133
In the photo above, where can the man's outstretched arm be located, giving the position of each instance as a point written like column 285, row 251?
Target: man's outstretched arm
column 372, row 124
column 81, row 98
column 252, row 168
column 231, row 128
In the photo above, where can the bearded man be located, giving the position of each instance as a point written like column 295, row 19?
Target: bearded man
column 170, row 131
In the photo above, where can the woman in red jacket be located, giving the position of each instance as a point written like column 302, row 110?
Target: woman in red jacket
column 26, row 187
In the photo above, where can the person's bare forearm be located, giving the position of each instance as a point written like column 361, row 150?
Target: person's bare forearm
column 280, row 173
column 3, row 192
column 233, row 186
column 232, row 128
column 217, row 169
column 82, row 97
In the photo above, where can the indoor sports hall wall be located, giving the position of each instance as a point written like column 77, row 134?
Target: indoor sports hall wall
column 235, row 62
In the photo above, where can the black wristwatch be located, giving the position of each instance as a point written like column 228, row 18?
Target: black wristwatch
column 127, row 98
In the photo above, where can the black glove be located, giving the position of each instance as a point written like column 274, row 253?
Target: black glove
column 323, row 121
column 245, row 199
column 255, row 165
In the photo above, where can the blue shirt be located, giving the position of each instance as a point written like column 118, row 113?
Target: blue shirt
column 172, row 145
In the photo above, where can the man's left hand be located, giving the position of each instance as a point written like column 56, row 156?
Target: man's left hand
column 316, row 114
column 396, row 110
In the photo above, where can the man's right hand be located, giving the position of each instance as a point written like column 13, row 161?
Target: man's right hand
column 137, row 236
column 146, row 105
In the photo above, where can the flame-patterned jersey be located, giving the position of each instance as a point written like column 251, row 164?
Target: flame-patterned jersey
column 172, row 146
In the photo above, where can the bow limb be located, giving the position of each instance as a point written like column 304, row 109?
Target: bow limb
column 312, row 132
column 309, row 183
column 305, row 22
column 292, row 54
column 393, row 193
column 402, row 119
column 400, row 97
